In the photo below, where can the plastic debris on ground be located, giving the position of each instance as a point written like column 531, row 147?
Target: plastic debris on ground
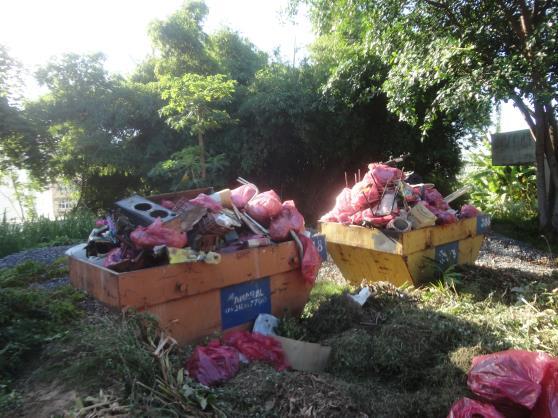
column 362, row 296
column 213, row 364
column 384, row 198
column 218, row 362
column 257, row 347
column 184, row 227
column 517, row 383
column 265, row 324
column 469, row 408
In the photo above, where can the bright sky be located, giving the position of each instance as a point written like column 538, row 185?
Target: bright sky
column 36, row 30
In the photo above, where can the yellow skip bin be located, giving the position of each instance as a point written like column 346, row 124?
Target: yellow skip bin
column 371, row 255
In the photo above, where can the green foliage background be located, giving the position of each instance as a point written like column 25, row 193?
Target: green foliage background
column 294, row 129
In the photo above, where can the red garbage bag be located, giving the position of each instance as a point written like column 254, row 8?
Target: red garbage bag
column 469, row 408
column 547, row 405
column 510, row 379
column 469, row 211
column 157, row 234
column 264, row 206
column 364, row 195
column 258, row 347
column 288, row 219
column 311, row 260
column 207, row 202
column 242, row 195
column 213, row 364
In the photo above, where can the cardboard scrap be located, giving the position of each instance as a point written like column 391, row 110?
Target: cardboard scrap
column 303, row 356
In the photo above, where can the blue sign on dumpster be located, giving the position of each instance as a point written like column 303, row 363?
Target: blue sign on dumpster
column 483, row 224
column 447, row 254
column 320, row 243
column 243, row 302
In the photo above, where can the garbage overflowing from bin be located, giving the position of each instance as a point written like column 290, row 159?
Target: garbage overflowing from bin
column 143, row 233
column 385, row 198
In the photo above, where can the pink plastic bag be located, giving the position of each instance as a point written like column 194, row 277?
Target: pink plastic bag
column 289, row 219
column 384, row 174
column 434, row 198
column 469, row 211
column 547, row 405
column 264, row 206
column 207, row 202
column 157, row 234
column 364, row 195
column 510, row 379
column 241, row 195
column 213, row 364
column 167, row 204
column 342, row 210
column 258, row 347
column 468, row 408
column 311, row 260
column 357, row 218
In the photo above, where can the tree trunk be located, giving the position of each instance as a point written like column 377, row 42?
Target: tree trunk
column 542, row 126
column 201, row 144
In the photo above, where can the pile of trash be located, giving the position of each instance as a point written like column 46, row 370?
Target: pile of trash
column 386, row 198
column 174, row 229
column 511, row 384
column 218, row 361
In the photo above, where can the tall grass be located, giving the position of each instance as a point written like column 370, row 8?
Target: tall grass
column 39, row 232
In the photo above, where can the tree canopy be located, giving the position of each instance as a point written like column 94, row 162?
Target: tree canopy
column 296, row 129
column 458, row 58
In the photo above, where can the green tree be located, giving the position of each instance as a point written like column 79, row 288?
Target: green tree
column 193, row 104
column 470, row 54
column 181, row 41
column 99, row 131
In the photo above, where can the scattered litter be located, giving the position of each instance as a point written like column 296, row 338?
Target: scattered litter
column 265, row 324
column 218, row 362
column 213, row 364
column 304, row 356
column 362, row 296
column 258, row 347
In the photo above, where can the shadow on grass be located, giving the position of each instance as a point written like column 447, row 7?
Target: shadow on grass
column 505, row 285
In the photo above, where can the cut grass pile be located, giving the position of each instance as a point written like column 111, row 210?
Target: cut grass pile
column 405, row 353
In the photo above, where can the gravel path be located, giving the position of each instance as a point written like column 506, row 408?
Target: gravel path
column 42, row 255
column 502, row 252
